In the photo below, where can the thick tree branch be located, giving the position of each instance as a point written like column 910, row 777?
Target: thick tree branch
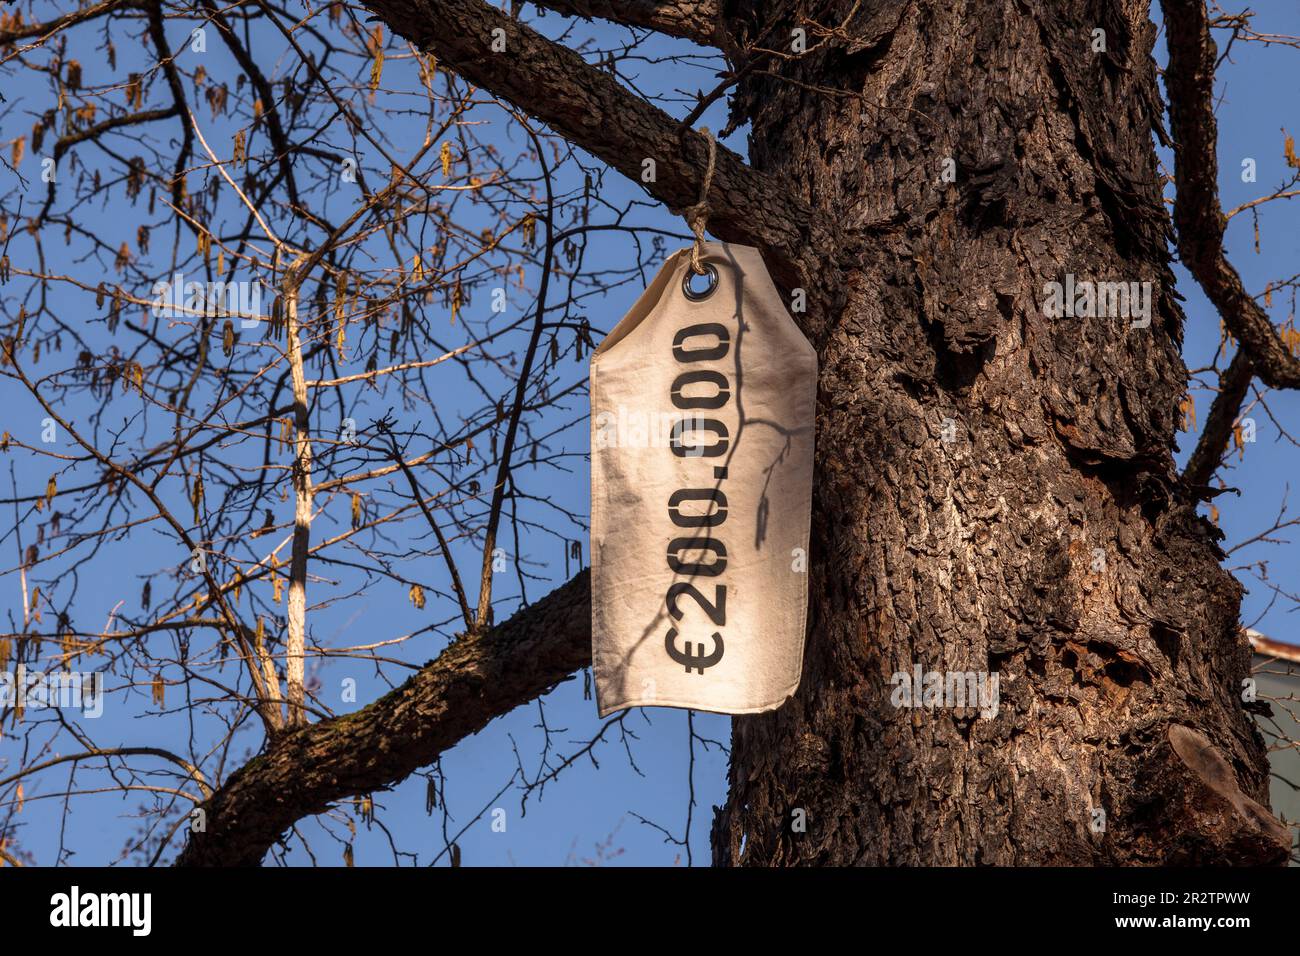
column 1198, row 216
column 1233, row 385
column 697, row 20
column 591, row 109
column 47, row 29
column 476, row 679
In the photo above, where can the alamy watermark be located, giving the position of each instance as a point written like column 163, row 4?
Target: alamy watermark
column 74, row 909
column 64, row 690
column 947, row 689
column 1085, row 299
column 241, row 299
column 689, row 435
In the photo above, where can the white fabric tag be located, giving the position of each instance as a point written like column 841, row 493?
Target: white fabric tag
column 701, row 493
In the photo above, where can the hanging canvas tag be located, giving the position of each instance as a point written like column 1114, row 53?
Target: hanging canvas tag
column 702, row 403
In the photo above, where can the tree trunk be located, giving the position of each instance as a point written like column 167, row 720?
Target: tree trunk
column 1050, row 539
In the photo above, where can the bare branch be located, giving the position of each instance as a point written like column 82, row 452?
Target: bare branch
column 1198, row 215
column 700, row 22
column 443, row 546
column 303, row 504
column 105, row 752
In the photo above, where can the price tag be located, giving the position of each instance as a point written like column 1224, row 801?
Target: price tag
column 703, row 401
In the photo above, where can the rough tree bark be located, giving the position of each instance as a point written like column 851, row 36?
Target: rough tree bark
column 1051, row 540
column 979, row 554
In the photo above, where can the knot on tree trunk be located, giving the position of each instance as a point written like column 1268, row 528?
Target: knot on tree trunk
column 1209, row 819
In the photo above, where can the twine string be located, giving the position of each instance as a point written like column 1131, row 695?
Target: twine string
column 697, row 216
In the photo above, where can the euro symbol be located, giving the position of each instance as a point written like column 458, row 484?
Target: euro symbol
column 693, row 661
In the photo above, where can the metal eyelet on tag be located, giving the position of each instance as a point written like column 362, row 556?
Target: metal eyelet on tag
column 691, row 293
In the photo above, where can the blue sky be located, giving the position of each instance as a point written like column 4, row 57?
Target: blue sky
column 589, row 814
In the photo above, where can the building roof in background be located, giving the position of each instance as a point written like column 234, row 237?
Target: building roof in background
column 1271, row 648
